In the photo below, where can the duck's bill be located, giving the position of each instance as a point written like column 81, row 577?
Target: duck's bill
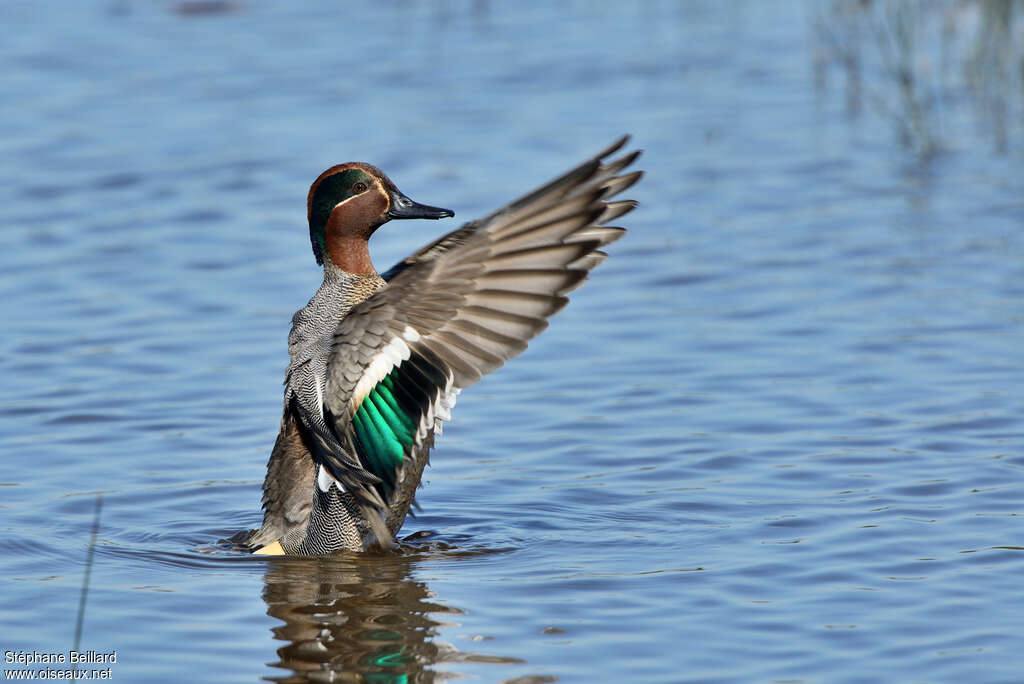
column 404, row 208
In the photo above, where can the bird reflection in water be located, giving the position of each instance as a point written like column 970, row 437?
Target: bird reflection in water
column 359, row 617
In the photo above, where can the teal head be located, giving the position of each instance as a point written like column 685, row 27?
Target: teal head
column 346, row 204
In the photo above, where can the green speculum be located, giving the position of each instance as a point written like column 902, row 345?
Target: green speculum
column 384, row 430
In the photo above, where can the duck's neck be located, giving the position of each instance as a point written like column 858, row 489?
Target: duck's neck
column 349, row 253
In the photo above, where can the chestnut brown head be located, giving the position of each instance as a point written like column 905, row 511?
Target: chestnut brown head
column 347, row 203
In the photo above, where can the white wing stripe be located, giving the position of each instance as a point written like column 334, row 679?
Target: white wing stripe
column 319, row 395
column 391, row 355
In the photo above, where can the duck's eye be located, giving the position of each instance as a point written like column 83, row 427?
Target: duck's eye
column 359, row 187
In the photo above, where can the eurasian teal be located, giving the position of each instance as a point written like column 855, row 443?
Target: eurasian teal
column 378, row 359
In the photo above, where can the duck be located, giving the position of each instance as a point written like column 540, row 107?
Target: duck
column 378, row 359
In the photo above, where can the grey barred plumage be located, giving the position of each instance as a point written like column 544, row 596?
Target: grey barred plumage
column 333, row 522
column 312, row 333
column 376, row 362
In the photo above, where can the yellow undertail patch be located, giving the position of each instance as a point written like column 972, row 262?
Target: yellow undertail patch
column 274, row 549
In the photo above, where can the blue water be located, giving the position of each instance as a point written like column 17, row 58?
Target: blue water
column 778, row 437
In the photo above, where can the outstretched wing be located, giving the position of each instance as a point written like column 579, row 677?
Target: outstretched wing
column 454, row 311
